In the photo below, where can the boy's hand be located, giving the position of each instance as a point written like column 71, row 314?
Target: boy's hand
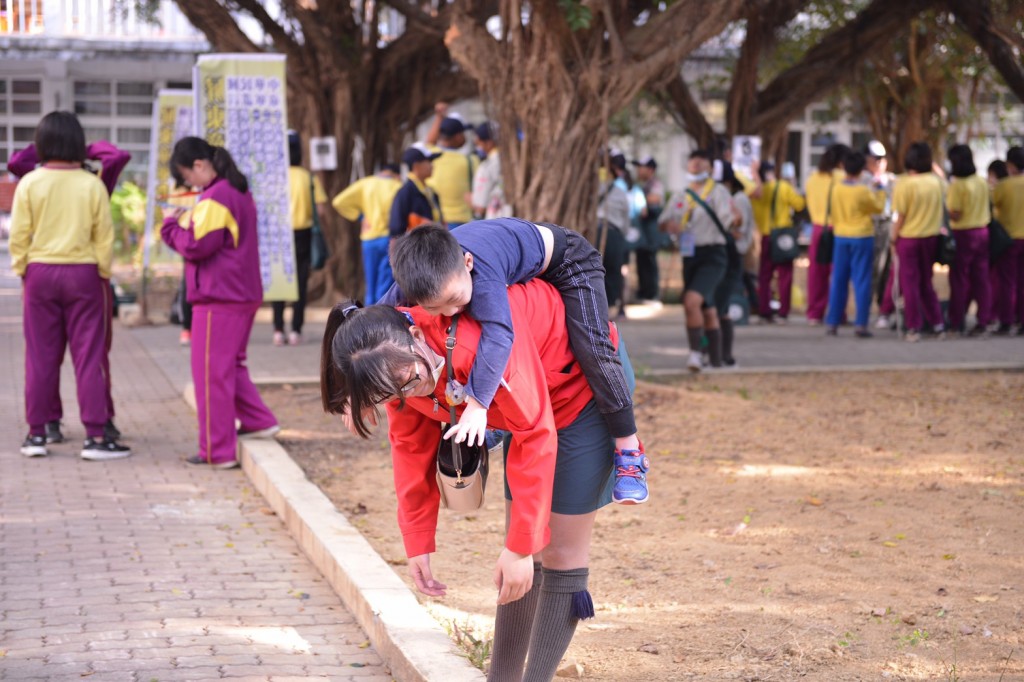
column 472, row 426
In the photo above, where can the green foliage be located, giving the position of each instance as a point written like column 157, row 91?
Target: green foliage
column 128, row 207
column 577, row 16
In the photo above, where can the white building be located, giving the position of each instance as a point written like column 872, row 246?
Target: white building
column 93, row 57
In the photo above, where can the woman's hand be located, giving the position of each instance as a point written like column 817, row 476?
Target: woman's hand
column 419, row 569
column 472, row 426
column 513, row 576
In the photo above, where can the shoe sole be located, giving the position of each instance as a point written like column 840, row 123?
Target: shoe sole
column 232, row 464
column 631, row 502
column 34, row 451
column 91, row 456
column 268, row 432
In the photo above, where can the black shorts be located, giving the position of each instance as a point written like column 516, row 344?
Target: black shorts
column 704, row 271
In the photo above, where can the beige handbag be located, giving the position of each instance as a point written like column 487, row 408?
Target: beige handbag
column 461, row 469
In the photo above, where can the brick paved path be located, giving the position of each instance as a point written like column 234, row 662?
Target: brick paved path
column 146, row 569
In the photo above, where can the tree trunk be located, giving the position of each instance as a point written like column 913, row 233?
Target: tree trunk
column 553, row 79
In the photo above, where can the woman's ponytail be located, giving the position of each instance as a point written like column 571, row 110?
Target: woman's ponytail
column 333, row 391
column 226, row 168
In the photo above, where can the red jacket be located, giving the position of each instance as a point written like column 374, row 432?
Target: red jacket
column 542, row 390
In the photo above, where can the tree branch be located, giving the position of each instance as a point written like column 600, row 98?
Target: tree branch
column 977, row 19
column 676, row 97
column 217, row 25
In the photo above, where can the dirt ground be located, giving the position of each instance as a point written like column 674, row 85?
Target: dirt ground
column 859, row 526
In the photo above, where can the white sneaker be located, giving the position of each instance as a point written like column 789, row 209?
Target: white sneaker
column 268, row 432
column 294, row 338
column 695, row 362
column 278, row 338
column 882, row 322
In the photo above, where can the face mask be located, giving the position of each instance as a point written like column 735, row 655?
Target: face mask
column 697, row 177
column 435, row 372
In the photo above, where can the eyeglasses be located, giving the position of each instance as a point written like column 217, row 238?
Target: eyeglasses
column 409, row 386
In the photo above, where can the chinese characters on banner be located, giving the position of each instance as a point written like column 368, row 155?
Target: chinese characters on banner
column 172, row 120
column 241, row 107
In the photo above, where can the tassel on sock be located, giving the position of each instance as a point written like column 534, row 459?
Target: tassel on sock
column 582, row 605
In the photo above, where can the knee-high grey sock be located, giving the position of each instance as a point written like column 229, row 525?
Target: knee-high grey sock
column 714, row 346
column 512, row 626
column 694, row 336
column 728, row 333
column 564, row 600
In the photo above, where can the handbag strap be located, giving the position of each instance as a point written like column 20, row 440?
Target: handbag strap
column 771, row 214
column 828, row 205
column 449, row 346
column 312, row 202
column 714, row 216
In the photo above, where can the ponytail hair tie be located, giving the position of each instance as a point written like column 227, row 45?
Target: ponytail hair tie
column 348, row 310
column 408, row 316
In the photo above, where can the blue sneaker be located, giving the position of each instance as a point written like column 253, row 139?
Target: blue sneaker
column 631, row 468
column 494, row 439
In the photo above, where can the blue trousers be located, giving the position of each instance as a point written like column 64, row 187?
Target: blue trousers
column 377, row 268
column 851, row 261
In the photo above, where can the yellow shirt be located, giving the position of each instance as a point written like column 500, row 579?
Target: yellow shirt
column 61, row 217
column 1008, row 198
column 452, row 180
column 918, row 197
column 970, row 197
column 300, row 204
column 370, row 197
column 816, row 191
column 853, row 205
column 787, row 201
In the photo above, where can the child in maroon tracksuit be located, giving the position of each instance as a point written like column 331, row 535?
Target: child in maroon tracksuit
column 218, row 240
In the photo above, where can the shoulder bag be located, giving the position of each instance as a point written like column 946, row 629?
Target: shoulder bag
column 827, row 240
column 461, row 469
column 318, row 245
column 784, row 245
column 735, row 260
column 999, row 240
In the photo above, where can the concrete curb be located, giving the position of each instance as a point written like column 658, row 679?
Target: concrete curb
column 412, row 643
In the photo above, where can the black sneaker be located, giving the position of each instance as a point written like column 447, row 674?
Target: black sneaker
column 111, row 432
column 53, row 434
column 103, row 449
column 34, row 446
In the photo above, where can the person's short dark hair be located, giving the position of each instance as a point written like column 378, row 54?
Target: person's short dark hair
column 961, row 161
column 617, row 160
column 59, row 137
column 854, row 163
column 998, row 168
column 764, row 169
column 647, row 162
column 391, row 166
column 425, row 260
column 485, row 132
column 1016, row 156
column 294, row 149
column 918, row 157
column 833, row 157
column 453, row 125
column 701, row 154
column 729, row 178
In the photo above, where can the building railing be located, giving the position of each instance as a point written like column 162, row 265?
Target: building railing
column 97, row 19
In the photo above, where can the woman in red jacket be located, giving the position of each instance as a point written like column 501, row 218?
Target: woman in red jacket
column 558, row 469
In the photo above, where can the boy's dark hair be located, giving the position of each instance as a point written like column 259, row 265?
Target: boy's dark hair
column 701, row 154
column 188, row 150
column 833, row 157
column 998, row 169
column 59, row 137
column 361, row 350
column 424, row 260
column 294, row 149
column 961, row 161
column 918, row 157
column 1016, row 156
column 853, row 164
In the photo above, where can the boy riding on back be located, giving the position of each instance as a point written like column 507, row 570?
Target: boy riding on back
column 469, row 269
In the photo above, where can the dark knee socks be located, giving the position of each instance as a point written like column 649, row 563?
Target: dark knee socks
column 728, row 333
column 694, row 335
column 512, row 626
column 714, row 346
column 564, row 600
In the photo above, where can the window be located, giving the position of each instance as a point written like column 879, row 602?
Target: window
column 134, row 89
column 87, row 108
column 133, row 135
column 24, row 133
column 96, row 133
column 134, row 108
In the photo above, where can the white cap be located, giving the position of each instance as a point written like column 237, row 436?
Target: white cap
column 875, row 148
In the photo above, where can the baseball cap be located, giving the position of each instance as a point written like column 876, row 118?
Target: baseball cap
column 646, row 161
column 485, row 131
column 453, row 124
column 391, row 166
column 418, row 152
column 875, row 148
